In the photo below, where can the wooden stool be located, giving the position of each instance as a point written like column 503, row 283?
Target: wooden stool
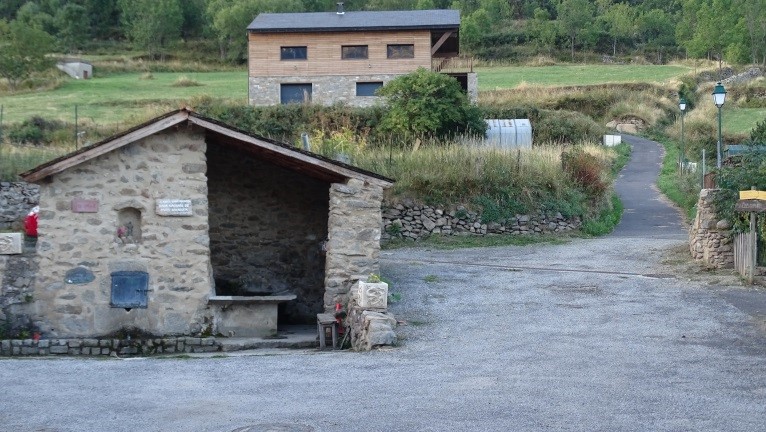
column 327, row 321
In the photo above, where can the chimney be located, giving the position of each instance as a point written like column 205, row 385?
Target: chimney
column 340, row 8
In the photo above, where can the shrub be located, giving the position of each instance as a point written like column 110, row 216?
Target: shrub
column 35, row 130
column 184, row 81
column 586, row 171
column 425, row 103
column 564, row 127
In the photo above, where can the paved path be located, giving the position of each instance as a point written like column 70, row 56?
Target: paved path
column 647, row 213
column 593, row 335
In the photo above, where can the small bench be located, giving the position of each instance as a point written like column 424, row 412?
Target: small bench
column 326, row 322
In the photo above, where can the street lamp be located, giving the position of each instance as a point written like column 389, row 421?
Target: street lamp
column 719, row 97
column 682, row 107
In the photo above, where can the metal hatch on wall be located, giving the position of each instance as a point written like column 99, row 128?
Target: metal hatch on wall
column 130, row 289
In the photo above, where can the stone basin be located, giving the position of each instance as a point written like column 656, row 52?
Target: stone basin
column 247, row 316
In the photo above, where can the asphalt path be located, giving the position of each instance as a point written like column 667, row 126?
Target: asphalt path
column 606, row 334
column 647, row 213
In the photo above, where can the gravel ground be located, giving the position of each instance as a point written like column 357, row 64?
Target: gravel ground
column 611, row 334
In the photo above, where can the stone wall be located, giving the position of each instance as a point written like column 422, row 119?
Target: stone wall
column 326, row 90
column 353, row 248
column 173, row 250
column 108, row 346
column 412, row 221
column 710, row 239
column 267, row 228
column 16, row 199
column 17, row 275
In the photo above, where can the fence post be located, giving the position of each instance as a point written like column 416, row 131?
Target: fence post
column 76, row 132
column 1, row 124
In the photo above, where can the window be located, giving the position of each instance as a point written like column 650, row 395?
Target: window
column 295, row 93
column 353, row 52
column 401, row 51
column 293, row 53
column 368, row 88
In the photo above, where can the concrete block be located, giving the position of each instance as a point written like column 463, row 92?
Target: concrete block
column 10, row 243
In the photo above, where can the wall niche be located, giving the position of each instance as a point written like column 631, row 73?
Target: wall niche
column 129, row 225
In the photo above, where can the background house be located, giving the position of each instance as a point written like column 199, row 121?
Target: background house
column 76, row 68
column 330, row 57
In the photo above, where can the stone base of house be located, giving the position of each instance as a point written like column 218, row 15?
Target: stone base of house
column 328, row 90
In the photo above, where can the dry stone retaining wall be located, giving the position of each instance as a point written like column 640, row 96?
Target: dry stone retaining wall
column 412, row 222
column 108, row 347
column 710, row 237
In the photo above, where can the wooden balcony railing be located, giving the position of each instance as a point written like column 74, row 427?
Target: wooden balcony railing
column 452, row 64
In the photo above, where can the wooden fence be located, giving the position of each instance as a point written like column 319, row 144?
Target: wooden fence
column 745, row 254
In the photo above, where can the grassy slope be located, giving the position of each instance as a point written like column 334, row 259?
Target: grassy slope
column 118, row 97
column 741, row 120
column 571, row 75
column 115, row 98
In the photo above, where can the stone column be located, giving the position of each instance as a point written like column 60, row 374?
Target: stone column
column 710, row 238
column 353, row 238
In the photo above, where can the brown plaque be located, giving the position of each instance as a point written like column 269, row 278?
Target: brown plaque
column 80, row 205
column 751, row 205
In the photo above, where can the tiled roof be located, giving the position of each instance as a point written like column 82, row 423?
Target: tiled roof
column 355, row 21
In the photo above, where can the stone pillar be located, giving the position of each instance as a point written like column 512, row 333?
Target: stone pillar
column 710, row 238
column 353, row 238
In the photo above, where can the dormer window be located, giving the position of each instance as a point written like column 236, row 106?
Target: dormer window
column 293, row 53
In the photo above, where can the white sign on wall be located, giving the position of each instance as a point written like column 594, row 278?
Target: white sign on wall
column 173, row 207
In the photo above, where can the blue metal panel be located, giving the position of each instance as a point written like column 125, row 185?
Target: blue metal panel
column 129, row 289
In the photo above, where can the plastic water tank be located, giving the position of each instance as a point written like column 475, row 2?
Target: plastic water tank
column 509, row 133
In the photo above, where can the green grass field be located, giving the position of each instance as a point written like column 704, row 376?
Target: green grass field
column 570, row 75
column 119, row 97
column 741, row 120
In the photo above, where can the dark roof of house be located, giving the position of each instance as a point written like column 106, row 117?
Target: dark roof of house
column 279, row 153
column 355, row 21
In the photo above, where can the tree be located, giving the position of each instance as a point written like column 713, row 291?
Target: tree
column 152, row 24
column 620, row 22
column 72, row 23
column 231, row 18
column 573, row 17
column 755, row 22
column 543, row 30
column 22, row 51
column 425, row 103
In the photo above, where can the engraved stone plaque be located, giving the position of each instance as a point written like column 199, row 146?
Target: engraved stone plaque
column 79, row 276
column 371, row 295
column 10, row 243
column 173, row 207
column 80, row 205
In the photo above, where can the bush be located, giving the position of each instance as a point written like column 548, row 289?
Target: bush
column 586, row 171
column 425, row 103
column 564, row 127
column 35, row 130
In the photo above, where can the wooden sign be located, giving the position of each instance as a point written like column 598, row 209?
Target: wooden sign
column 750, row 205
column 80, row 205
column 752, row 195
column 173, row 207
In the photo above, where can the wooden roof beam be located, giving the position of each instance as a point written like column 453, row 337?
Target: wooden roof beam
column 441, row 41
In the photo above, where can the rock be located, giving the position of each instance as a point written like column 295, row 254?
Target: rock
column 723, row 224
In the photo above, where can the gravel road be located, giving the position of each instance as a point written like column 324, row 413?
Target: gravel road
column 612, row 334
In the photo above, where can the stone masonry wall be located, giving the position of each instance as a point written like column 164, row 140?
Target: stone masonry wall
column 710, row 238
column 411, row 221
column 17, row 275
column 16, row 199
column 108, row 347
column 267, row 228
column 353, row 249
column 326, row 90
column 173, row 250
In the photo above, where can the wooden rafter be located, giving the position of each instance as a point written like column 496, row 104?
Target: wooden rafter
column 441, row 41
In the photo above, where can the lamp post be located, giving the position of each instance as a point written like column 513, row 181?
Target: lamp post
column 682, row 156
column 719, row 97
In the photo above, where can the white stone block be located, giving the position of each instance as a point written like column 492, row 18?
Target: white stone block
column 10, row 243
column 612, row 140
column 371, row 294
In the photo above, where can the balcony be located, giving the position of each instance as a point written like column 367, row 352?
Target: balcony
column 450, row 65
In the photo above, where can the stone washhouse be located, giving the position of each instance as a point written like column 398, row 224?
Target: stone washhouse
column 186, row 226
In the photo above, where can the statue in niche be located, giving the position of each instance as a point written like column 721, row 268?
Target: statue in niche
column 125, row 233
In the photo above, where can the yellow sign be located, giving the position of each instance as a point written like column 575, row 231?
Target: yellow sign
column 752, row 195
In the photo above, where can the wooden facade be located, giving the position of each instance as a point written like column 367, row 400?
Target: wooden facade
column 324, row 53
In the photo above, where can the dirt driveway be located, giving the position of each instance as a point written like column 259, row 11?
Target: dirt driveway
column 611, row 334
